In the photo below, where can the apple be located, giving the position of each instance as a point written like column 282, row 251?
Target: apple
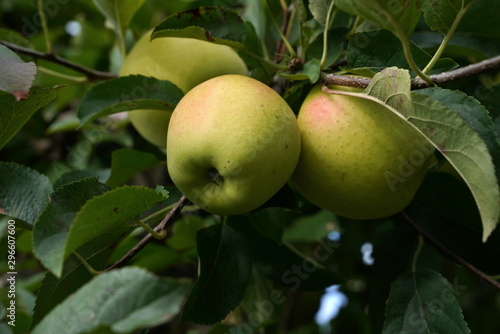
column 358, row 159
column 232, row 144
column 186, row 62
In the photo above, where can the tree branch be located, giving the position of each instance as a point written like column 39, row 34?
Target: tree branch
column 345, row 80
column 436, row 243
column 281, row 46
column 89, row 73
column 161, row 227
column 484, row 66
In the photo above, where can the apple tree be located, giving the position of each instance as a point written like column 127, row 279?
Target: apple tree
column 97, row 237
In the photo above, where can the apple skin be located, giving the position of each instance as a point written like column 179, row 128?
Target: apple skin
column 232, row 143
column 186, row 62
column 358, row 159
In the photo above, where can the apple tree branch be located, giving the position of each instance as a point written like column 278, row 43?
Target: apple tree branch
column 89, row 73
column 162, row 226
column 442, row 248
column 484, row 66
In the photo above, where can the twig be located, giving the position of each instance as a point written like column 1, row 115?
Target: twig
column 484, row 66
column 436, row 243
column 84, row 262
column 89, row 73
column 345, row 80
column 281, row 47
column 169, row 218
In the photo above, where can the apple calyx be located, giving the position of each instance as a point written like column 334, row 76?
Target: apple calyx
column 215, row 176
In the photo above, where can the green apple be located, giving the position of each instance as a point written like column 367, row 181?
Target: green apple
column 232, row 143
column 358, row 159
column 186, row 62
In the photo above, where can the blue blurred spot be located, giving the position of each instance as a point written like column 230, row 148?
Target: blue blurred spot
column 331, row 303
column 334, row 236
column 367, row 250
column 73, row 28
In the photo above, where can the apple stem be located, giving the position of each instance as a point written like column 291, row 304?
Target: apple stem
column 154, row 217
column 159, row 236
column 84, row 262
column 417, row 253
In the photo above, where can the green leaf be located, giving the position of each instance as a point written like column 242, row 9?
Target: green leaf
column 255, row 15
column 311, row 227
column 263, row 299
column 446, row 131
column 219, row 329
column 127, row 162
column 253, row 47
column 50, row 232
column 400, row 17
column 14, row 37
column 213, row 24
column 65, row 124
column 225, row 267
column 446, row 196
column 310, row 71
column 296, row 94
column 461, row 44
column 440, row 14
column 54, row 290
column 285, row 198
column 17, row 76
column 445, row 209
column 423, row 302
column 284, row 265
column 128, row 93
column 473, row 113
column 157, row 258
column 107, row 211
column 76, row 175
column 161, row 189
column 271, row 222
column 14, row 114
column 159, row 300
column 300, row 7
column 481, row 19
column 488, row 98
column 466, row 152
column 119, row 12
column 24, row 192
column 320, row 9
column 184, row 232
column 378, row 49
